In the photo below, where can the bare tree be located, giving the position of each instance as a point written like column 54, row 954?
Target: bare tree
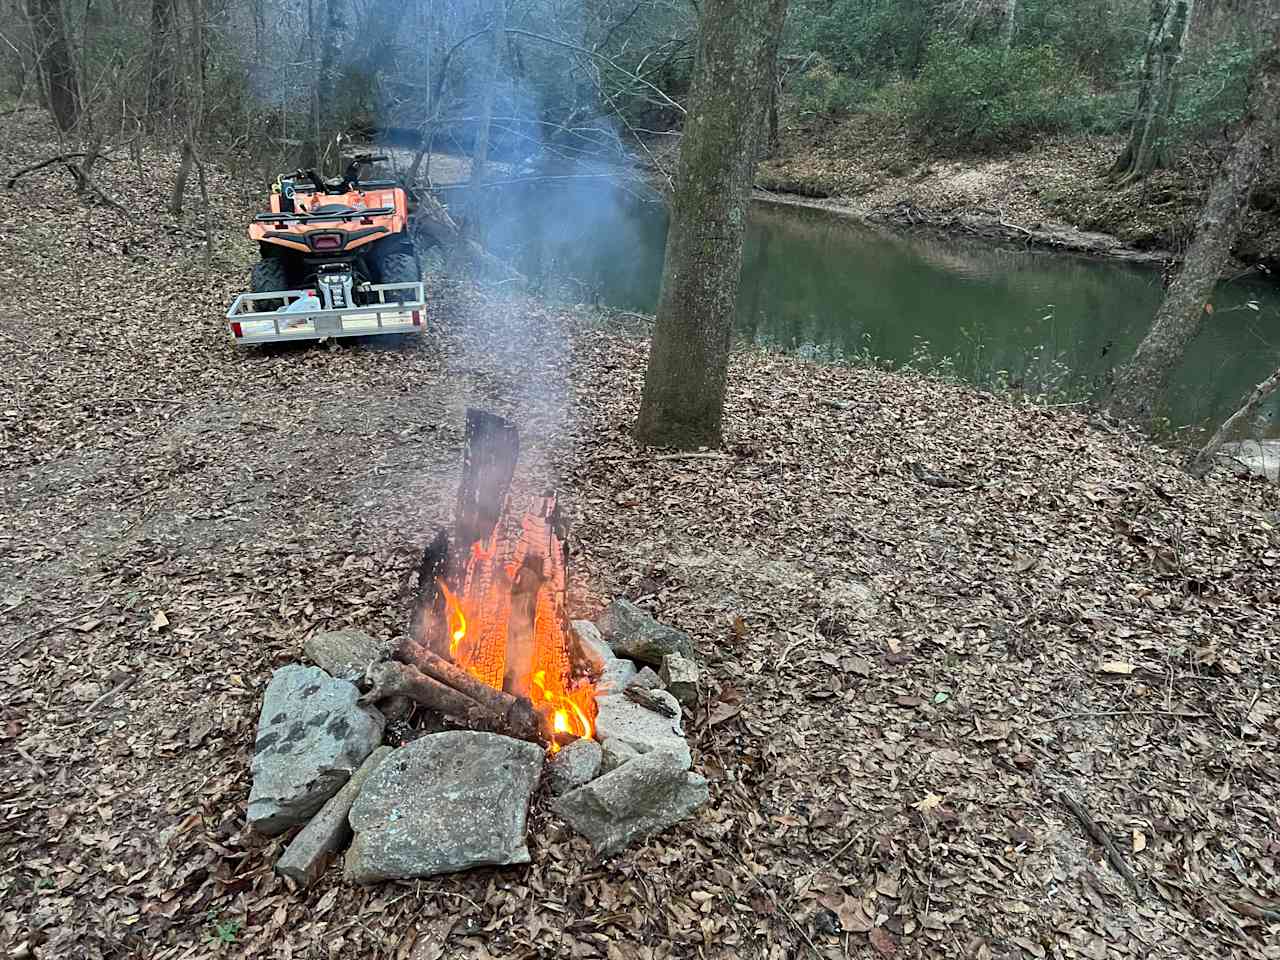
column 160, row 62
column 1143, row 380
column 53, row 60
column 684, row 387
column 1148, row 140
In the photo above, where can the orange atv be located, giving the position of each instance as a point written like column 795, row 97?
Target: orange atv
column 336, row 237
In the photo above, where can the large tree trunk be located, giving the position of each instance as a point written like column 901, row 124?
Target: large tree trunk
column 53, row 61
column 1148, row 140
column 327, row 94
column 684, row 387
column 1142, row 381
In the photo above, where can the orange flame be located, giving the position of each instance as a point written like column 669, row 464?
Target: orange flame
column 566, row 715
column 457, row 619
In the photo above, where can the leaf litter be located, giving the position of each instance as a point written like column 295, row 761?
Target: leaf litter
column 178, row 515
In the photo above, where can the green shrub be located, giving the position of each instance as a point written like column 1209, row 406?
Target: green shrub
column 1212, row 92
column 823, row 89
column 981, row 97
column 869, row 40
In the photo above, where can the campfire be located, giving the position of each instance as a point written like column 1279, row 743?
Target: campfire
column 489, row 642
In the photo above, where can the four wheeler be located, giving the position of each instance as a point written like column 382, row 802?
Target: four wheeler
column 338, row 254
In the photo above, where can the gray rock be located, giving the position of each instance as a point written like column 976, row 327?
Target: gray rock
column 311, row 737
column 447, row 802
column 328, row 832
column 647, row 678
column 638, row 799
column 592, row 651
column 614, row 753
column 680, row 677
column 640, row 728
column 574, row 765
column 345, row 653
column 617, row 674
column 633, row 633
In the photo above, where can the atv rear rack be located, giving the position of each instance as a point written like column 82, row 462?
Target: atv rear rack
column 277, row 326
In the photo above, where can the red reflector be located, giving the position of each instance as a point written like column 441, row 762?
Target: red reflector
column 417, row 318
column 235, row 328
column 326, row 241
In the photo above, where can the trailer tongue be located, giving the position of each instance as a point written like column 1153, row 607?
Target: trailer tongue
column 388, row 308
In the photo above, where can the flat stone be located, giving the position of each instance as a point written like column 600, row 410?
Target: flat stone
column 447, row 802
column 680, row 677
column 590, row 646
column 638, row 799
column 617, row 674
column 614, row 753
column 633, row 633
column 312, row 735
column 640, row 728
column 646, row 677
column 328, row 831
column 345, row 653
column 575, row 764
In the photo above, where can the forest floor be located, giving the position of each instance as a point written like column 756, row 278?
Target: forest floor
column 1052, row 191
column 925, row 612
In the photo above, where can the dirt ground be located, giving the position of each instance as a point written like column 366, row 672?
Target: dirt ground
column 924, row 613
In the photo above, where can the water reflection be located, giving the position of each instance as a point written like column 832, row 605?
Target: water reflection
column 822, row 284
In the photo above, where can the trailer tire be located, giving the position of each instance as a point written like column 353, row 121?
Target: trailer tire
column 267, row 276
column 399, row 267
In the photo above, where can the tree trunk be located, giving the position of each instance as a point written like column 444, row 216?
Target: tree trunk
column 53, row 61
column 1010, row 23
column 480, row 155
column 1148, row 140
column 1142, row 381
column 160, row 63
column 685, row 383
column 327, row 77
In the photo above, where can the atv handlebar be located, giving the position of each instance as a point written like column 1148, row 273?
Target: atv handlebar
column 350, row 179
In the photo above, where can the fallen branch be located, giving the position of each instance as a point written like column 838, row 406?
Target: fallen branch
column 931, row 479
column 647, row 700
column 60, row 158
column 1175, row 714
column 119, row 688
column 1102, row 839
column 1203, row 460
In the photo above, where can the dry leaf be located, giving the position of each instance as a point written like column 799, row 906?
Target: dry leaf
column 1024, row 562
column 849, row 911
column 740, row 627
column 928, row 802
column 883, row 941
column 1117, row 666
column 159, row 621
column 1139, row 841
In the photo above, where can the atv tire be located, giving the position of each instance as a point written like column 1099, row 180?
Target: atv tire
column 267, row 276
column 399, row 267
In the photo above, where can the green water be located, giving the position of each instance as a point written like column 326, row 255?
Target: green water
column 825, row 286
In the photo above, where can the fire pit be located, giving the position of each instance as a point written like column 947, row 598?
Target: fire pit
column 502, row 681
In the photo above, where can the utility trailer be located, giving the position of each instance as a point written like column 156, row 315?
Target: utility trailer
column 387, row 308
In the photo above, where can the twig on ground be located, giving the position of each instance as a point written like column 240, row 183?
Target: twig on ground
column 755, row 881
column 119, row 688
column 52, row 627
column 647, row 700
column 1176, row 714
column 60, row 158
column 702, row 455
column 1100, row 837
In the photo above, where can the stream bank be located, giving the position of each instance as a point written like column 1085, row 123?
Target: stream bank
column 1051, row 192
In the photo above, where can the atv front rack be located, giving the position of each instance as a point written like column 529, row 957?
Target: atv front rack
column 248, row 325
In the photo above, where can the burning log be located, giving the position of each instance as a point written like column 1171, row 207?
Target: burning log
column 488, row 623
